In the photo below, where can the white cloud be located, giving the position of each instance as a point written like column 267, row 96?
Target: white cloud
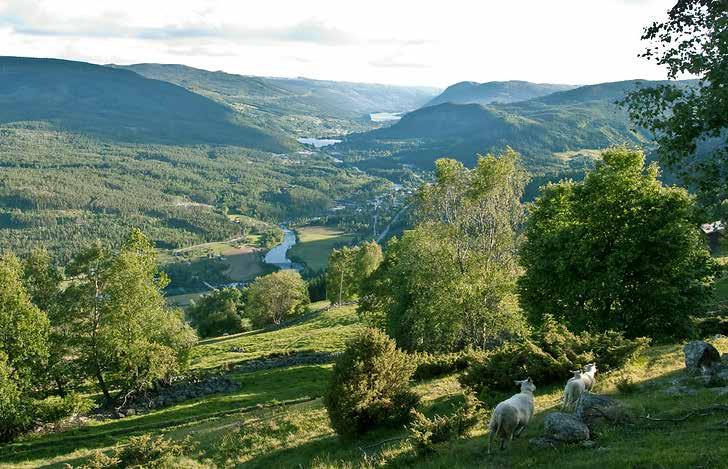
column 426, row 42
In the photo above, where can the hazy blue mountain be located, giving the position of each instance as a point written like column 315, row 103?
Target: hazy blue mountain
column 120, row 104
column 469, row 92
column 296, row 104
column 559, row 131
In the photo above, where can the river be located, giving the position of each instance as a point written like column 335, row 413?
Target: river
column 278, row 257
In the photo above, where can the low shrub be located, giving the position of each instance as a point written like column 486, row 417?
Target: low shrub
column 142, row 451
column 712, row 325
column 548, row 357
column 434, row 365
column 626, row 385
column 55, row 408
column 370, row 385
column 513, row 360
column 429, row 433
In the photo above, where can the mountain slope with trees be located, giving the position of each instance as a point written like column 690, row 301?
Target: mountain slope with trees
column 469, row 92
column 301, row 105
column 91, row 99
column 556, row 132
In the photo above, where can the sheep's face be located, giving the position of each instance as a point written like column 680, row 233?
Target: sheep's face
column 526, row 385
column 591, row 368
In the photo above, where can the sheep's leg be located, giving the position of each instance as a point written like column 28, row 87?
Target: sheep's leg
column 490, row 441
column 519, row 430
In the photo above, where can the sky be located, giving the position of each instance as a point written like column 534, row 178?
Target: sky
column 405, row 42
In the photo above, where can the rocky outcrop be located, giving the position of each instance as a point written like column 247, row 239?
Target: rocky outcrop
column 285, row 360
column 180, row 389
column 595, row 409
column 565, row 428
column 701, row 357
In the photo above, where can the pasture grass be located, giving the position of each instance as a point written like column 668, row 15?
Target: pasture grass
column 314, row 245
column 277, row 419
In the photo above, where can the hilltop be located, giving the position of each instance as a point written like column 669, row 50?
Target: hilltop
column 469, row 92
column 84, row 98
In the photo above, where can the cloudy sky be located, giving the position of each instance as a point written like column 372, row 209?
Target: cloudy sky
column 415, row 42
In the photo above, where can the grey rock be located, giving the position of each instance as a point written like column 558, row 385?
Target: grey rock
column 565, row 427
column 700, row 356
column 680, row 391
column 593, row 409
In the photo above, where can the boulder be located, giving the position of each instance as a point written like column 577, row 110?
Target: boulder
column 700, row 357
column 565, row 427
column 593, row 409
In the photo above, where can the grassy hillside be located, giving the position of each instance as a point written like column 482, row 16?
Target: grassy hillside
column 304, row 106
column 468, row 92
column 276, row 418
column 569, row 124
column 91, row 99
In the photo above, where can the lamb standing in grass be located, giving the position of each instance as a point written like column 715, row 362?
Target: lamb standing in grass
column 589, row 376
column 511, row 416
column 573, row 390
column 581, row 382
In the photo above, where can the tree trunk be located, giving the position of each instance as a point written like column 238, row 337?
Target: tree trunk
column 104, row 388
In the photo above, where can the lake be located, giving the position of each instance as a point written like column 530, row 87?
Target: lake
column 385, row 116
column 318, row 142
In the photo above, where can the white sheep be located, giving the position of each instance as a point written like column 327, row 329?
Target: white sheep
column 511, row 416
column 581, row 382
column 573, row 390
column 589, row 376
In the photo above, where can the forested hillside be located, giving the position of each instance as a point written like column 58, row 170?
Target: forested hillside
column 468, row 92
column 80, row 97
column 556, row 132
column 62, row 190
column 301, row 105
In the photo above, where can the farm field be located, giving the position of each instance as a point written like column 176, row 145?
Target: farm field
column 276, row 419
column 315, row 243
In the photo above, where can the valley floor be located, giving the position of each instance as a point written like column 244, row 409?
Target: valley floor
column 276, row 418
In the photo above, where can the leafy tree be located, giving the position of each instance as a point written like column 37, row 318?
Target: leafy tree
column 23, row 348
column 277, row 296
column 370, row 385
column 127, row 336
column 23, row 326
column 43, row 283
column 218, row 313
column 450, row 282
column 690, row 123
column 349, row 267
column 616, row 251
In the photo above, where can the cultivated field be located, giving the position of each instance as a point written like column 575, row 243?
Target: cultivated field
column 315, row 243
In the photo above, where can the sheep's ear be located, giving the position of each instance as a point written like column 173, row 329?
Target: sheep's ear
column 530, row 380
column 518, row 382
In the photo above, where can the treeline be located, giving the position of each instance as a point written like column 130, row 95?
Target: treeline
column 103, row 320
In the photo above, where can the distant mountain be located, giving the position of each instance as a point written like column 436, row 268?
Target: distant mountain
column 560, row 131
column 294, row 104
column 85, row 98
column 469, row 92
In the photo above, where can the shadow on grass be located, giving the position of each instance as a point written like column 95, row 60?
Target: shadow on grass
column 262, row 387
